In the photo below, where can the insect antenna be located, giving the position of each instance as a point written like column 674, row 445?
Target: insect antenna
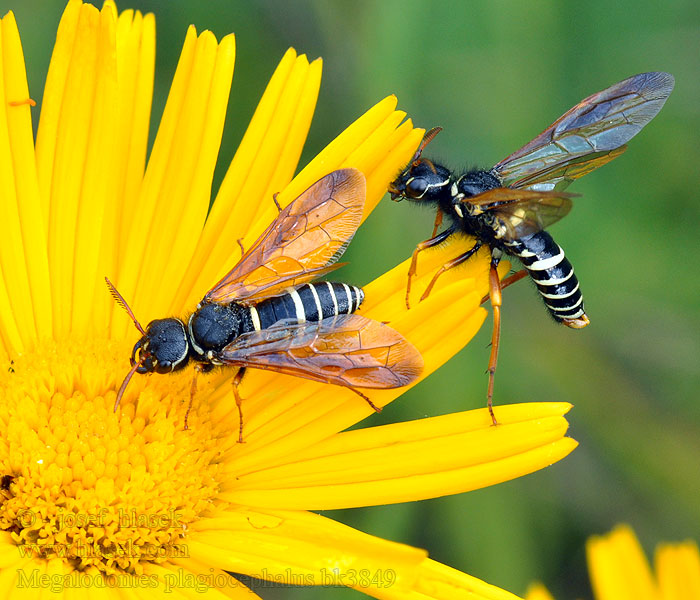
column 427, row 138
column 126, row 381
column 119, row 299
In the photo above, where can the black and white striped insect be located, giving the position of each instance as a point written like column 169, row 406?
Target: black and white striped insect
column 507, row 207
column 265, row 313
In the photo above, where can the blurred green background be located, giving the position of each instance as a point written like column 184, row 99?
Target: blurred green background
column 494, row 74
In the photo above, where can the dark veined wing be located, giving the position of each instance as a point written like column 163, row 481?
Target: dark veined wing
column 348, row 350
column 302, row 243
column 522, row 212
column 589, row 135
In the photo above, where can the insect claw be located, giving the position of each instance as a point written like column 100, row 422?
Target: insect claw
column 277, row 204
column 376, row 408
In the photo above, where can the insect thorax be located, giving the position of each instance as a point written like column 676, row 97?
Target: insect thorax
column 213, row 326
column 469, row 218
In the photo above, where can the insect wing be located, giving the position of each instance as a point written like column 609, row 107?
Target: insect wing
column 302, row 243
column 348, row 350
column 524, row 218
column 589, row 135
column 522, row 211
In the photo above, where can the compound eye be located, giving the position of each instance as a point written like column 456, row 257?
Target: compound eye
column 163, row 367
column 416, row 187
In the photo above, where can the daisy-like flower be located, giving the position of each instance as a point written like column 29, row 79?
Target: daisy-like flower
column 93, row 499
column 620, row 571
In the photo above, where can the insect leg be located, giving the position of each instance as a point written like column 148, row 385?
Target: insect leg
column 240, row 243
column 495, row 296
column 239, row 401
column 277, row 204
column 198, row 368
column 510, row 280
column 366, row 399
column 449, row 265
column 434, row 241
column 438, row 221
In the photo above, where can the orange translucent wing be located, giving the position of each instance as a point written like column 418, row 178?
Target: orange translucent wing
column 302, row 243
column 523, row 218
column 348, row 350
column 522, row 212
column 589, row 135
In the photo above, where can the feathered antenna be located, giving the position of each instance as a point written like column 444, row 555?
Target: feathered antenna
column 427, row 138
column 119, row 299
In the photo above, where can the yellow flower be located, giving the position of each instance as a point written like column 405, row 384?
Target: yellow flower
column 620, row 571
column 91, row 499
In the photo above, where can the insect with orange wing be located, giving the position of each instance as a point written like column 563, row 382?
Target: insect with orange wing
column 265, row 313
column 507, row 208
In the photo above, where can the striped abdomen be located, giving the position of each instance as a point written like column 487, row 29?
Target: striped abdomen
column 309, row 302
column 554, row 276
column 213, row 326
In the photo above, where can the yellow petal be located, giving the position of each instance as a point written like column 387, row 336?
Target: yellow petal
column 193, row 581
column 47, row 137
column 402, row 144
column 75, row 155
column 25, row 308
column 335, row 154
column 302, row 548
column 678, row 570
column 618, row 568
column 440, row 582
column 135, row 56
column 410, row 461
column 376, row 144
column 98, row 188
column 280, row 123
column 537, row 591
column 176, row 189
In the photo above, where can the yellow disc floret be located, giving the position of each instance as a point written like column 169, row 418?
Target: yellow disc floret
column 91, row 486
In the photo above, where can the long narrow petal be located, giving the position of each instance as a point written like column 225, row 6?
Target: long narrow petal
column 135, row 53
column 190, row 582
column 176, row 189
column 440, row 582
column 47, row 138
column 268, row 153
column 537, row 591
column 74, row 157
column 678, row 570
column 301, row 548
column 25, row 300
column 98, row 189
column 335, row 155
column 375, row 143
column 618, row 568
column 420, row 459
